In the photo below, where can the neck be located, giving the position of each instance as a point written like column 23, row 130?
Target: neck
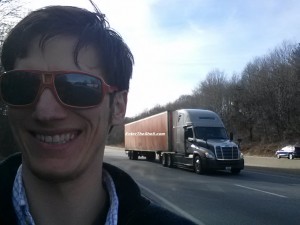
column 79, row 201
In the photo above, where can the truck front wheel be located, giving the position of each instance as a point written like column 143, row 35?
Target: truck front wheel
column 198, row 167
column 235, row 171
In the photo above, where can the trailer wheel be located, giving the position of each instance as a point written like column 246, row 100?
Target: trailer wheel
column 197, row 165
column 164, row 160
column 130, row 155
column 150, row 156
column 135, row 155
column 170, row 161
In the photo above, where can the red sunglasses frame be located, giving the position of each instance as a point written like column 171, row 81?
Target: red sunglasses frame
column 47, row 81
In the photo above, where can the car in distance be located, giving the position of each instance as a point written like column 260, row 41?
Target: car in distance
column 289, row 151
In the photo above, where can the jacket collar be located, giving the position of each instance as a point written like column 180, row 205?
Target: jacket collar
column 129, row 195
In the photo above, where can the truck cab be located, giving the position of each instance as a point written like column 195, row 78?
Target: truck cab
column 202, row 143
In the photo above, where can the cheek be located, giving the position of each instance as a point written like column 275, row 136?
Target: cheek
column 16, row 121
column 17, row 116
column 15, row 113
column 101, row 122
column 98, row 119
column 96, row 133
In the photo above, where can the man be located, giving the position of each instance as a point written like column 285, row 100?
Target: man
column 66, row 83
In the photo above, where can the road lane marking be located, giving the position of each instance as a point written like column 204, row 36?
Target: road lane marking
column 266, row 192
column 171, row 205
column 282, row 175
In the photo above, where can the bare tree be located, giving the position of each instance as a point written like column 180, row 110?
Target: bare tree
column 212, row 91
column 268, row 93
column 295, row 61
column 10, row 12
column 248, row 97
column 284, row 87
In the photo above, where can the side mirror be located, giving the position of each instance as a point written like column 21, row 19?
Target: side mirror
column 185, row 135
column 191, row 139
column 231, row 136
column 239, row 142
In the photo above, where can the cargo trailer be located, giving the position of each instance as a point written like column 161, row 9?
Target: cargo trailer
column 187, row 138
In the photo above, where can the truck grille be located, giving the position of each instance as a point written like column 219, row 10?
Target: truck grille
column 227, row 152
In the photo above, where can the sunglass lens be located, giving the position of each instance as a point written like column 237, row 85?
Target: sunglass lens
column 19, row 87
column 78, row 89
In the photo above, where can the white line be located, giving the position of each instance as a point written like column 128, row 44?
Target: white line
column 179, row 210
column 266, row 192
column 289, row 175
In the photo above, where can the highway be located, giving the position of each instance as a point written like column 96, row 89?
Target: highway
column 259, row 195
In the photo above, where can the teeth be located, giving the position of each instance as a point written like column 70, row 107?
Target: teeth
column 55, row 139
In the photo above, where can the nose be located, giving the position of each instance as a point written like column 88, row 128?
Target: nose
column 48, row 108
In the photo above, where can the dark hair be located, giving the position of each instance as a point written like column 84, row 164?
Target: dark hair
column 91, row 28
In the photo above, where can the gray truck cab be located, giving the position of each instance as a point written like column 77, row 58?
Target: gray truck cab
column 200, row 141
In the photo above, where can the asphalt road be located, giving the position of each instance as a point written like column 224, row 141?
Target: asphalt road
column 262, row 194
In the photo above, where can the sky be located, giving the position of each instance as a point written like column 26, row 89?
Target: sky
column 176, row 43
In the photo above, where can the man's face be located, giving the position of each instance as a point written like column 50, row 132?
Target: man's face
column 84, row 131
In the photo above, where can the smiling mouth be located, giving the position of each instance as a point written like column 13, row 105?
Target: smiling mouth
column 57, row 138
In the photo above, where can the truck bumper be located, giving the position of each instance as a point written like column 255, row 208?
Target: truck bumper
column 223, row 164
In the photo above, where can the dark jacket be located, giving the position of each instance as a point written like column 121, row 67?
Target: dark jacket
column 134, row 209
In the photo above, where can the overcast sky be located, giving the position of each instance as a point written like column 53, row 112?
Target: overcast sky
column 177, row 42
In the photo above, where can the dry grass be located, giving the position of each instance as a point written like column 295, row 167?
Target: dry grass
column 258, row 149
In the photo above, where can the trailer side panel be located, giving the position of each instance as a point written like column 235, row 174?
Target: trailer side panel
column 148, row 134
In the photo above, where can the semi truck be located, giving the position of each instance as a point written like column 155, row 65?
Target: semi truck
column 187, row 138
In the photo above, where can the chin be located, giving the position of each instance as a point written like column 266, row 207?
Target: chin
column 55, row 176
column 52, row 177
column 54, row 172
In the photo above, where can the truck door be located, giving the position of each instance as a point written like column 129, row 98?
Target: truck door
column 178, row 120
column 180, row 134
column 189, row 136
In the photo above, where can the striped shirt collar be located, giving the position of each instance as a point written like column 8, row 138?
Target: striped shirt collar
column 21, row 206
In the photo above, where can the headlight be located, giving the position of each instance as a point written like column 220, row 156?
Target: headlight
column 209, row 155
column 241, row 155
column 194, row 146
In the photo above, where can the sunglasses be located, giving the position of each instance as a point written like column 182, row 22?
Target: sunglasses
column 71, row 88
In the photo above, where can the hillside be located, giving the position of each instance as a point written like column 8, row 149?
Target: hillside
column 255, row 149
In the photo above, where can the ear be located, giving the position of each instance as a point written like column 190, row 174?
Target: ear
column 119, row 107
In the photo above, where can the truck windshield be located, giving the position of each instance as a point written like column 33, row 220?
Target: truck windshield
column 210, row 133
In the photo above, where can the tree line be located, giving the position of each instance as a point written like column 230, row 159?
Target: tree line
column 261, row 104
